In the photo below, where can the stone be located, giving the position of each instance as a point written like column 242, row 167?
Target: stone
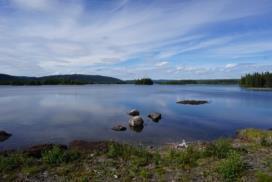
column 134, row 112
column 4, row 135
column 155, row 116
column 119, row 128
column 136, row 121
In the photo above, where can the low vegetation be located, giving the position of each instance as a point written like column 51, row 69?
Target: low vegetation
column 244, row 158
column 257, row 80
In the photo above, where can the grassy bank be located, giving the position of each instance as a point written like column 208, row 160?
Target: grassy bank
column 247, row 157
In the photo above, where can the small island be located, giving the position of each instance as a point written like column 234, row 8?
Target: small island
column 144, row 81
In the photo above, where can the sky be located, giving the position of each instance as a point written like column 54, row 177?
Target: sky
column 128, row 39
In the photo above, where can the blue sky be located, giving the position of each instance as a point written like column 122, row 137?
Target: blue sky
column 161, row 39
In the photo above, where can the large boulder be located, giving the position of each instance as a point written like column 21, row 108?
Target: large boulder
column 155, row 116
column 4, row 136
column 136, row 121
column 134, row 112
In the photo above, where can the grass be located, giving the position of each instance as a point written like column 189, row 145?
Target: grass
column 186, row 158
column 220, row 148
column 56, row 156
column 231, row 167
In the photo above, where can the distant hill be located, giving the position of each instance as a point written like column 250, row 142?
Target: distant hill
column 75, row 79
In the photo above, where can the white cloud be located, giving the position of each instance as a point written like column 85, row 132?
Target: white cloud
column 231, row 65
column 163, row 63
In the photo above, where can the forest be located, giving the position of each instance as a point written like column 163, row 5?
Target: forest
column 257, row 80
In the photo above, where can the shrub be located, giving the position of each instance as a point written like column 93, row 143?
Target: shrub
column 219, row 148
column 231, row 167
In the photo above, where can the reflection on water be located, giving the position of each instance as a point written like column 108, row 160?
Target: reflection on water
column 59, row 114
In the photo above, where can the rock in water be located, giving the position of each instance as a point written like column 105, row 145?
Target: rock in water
column 134, row 112
column 136, row 121
column 4, row 136
column 137, row 129
column 155, row 116
column 192, row 102
column 119, row 128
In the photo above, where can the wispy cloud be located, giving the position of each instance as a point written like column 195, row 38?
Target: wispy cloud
column 68, row 36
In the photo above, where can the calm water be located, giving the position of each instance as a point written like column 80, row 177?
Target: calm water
column 59, row 114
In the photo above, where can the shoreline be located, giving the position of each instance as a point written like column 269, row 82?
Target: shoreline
column 238, row 158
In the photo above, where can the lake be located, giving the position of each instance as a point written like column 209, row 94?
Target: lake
column 60, row 114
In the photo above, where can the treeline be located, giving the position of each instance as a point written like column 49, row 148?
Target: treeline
column 144, row 81
column 257, row 80
column 212, row 82
column 58, row 80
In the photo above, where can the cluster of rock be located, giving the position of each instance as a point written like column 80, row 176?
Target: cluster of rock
column 136, row 122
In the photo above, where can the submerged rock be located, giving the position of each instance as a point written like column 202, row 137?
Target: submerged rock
column 134, row 112
column 136, row 121
column 119, row 128
column 192, row 102
column 155, row 116
column 4, row 136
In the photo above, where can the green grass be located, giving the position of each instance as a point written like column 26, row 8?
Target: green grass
column 220, row 148
column 57, row 156
column 231, row 167
column 185, row 158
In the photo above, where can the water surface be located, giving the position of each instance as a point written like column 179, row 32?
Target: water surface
column 60, row 114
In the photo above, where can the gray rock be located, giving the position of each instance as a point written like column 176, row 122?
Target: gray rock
column 155, row 116
column 134, row 112
column 119, row 128
column 4, row 136
column 136, row 121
